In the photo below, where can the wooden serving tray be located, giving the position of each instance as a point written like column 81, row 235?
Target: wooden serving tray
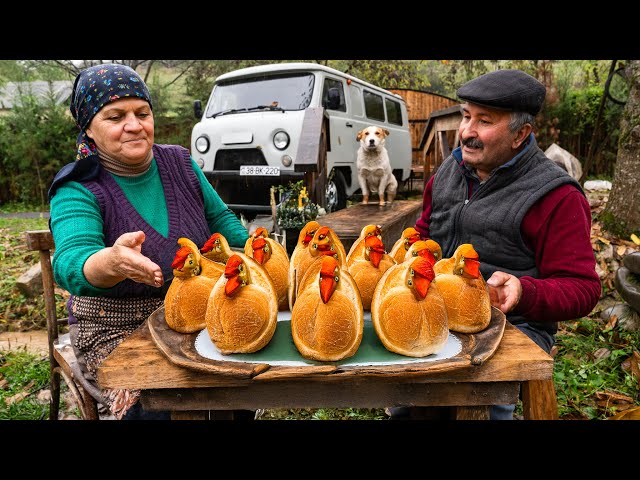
column 181, row 350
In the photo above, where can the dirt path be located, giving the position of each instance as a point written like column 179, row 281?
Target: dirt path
column 33, row 342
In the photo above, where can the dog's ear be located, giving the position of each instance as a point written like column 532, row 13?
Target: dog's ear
column 386, row 132
column 359, row 136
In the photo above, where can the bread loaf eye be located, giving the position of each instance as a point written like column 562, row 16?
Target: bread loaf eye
column 240, row 267
column 410, row 282
column 336, row 278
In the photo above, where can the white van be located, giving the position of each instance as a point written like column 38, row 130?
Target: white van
column 251, row 134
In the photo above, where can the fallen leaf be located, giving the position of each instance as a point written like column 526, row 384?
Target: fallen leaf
column 602, row 353
column 4, row 384
column 16, row 398
column 635, row 239
column 20, row 396
column 627, row 243
column 613, row 398
column 621, row 250
column 603, row 240
column 629, row 414
column 613, row 320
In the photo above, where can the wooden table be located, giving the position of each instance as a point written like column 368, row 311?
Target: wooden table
column 137, row 363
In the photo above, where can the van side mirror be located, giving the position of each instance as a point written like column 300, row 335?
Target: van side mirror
column 197, row 109
column 333, row 99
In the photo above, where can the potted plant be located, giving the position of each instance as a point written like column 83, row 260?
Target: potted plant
column 294, row 211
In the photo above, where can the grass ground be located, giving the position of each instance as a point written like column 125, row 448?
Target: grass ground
column 596, row 368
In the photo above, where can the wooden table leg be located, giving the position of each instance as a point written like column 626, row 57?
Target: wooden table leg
column 539, row 400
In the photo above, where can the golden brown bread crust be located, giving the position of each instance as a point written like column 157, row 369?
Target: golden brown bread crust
column 246, row 321
column 404, row 323
column 332, row 331
column 186, row 299
column 300, row 254
column 468, row 303
column 301, row 261
column 186, row 303
column 444, row 266
column 398, row 251
column 278, row 269
column 358, row 246
column 367, row 276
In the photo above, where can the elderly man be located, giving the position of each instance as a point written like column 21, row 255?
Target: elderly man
column 526, row 217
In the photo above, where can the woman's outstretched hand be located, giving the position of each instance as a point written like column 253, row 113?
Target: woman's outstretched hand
column 123, row 260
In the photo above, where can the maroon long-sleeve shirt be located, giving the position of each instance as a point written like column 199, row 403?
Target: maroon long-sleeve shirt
column 558, row 229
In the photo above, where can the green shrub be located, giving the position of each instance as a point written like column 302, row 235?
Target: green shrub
column 36, row 140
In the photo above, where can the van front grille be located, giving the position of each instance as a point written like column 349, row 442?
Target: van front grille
column 232, row 159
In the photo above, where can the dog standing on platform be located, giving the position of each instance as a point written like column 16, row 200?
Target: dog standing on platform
column 374, row 169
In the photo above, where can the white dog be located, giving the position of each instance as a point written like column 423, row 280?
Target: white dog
column 374, row 169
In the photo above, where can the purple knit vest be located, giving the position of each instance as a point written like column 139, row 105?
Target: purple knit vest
column 185, row 207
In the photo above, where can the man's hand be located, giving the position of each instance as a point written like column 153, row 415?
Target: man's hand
column 123, row 260
column 504, row 291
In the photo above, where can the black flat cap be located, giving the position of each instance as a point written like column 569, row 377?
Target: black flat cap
column 505, row 89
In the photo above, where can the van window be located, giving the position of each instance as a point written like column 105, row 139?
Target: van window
column 373, row 106
column 291, row 91
column 394, row 114
column 332, row 83
column 356, row 100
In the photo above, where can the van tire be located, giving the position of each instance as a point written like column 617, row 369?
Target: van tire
column 336, row 192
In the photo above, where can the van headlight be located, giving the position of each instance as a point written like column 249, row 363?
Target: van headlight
column 281, row 140
column 202, row 144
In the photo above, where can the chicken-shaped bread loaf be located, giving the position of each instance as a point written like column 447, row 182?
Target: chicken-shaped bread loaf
column 327, row 321
column 242, row 311
column 217, row 248
column 464, row 290
column 409, row 236
column 429, row 249
column 358, row 245
column 325, row 242
column 300, row 258
column 367, row 268
column 407, row 311
column 275, row 260
column 186, row 300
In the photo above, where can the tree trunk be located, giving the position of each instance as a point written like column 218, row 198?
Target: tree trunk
column 622, row 213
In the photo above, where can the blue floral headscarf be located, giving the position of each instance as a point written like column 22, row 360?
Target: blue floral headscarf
column 93, row 89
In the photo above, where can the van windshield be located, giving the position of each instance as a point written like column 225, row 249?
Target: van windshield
column 282, row 92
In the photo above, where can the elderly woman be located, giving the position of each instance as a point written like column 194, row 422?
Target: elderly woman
column 117, row 213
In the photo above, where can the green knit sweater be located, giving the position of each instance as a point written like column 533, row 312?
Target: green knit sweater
column 77, row 225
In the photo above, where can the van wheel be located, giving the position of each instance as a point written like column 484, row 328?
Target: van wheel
column 336, row 192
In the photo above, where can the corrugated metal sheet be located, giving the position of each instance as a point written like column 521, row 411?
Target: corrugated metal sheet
column 12, row 91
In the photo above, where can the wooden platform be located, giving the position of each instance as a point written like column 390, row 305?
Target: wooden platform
column 394, row 218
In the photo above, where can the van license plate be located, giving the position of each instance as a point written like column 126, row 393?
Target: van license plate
column 259, row 170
